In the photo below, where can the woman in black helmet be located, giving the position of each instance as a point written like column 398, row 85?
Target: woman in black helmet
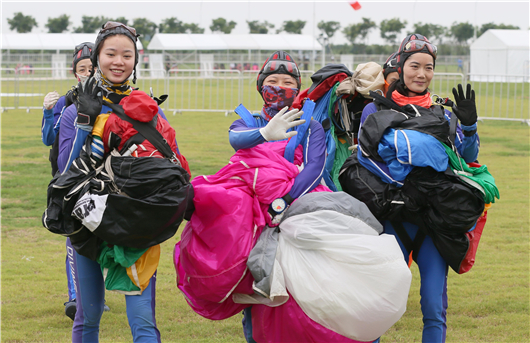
column 53, row 107
column 115, row 55
column 414, row 63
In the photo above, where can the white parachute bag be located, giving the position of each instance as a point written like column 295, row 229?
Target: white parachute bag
column 339, row 269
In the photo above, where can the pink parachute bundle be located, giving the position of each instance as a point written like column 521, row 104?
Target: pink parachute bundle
column 230, row 213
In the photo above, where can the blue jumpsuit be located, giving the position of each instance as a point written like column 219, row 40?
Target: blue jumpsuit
column 432, row 267
column 50, row 128
column 89, row 279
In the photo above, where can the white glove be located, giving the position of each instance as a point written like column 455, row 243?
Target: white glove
column 277, row 127
column 51, row 99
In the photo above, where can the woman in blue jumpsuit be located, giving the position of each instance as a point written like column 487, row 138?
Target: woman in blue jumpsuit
column 116, row 56
column 53, row 107
column 278, row 83
column 415, row 65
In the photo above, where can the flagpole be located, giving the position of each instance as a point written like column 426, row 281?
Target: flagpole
column 314, row 38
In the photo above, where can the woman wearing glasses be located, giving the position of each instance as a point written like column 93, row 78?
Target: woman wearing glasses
column 416, row 59
column 115, row 55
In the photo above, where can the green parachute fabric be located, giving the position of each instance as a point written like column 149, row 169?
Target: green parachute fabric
column 478, row 177
column 116, row 259
column 341, row 152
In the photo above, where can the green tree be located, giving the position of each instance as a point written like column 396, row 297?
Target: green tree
column 391, row 28
column 91, row 24
column 292, row 26
column 351, row 32
column 193, row 28
column 431, row 31
column 461, row 32
column 359, row 30
column 221, row 25
column 22, row 23
column 122, row 20
column 328, row 29
column 259, row 27
column 494, row 26
column 59, row 24
column 146, row 28
column 171, row 25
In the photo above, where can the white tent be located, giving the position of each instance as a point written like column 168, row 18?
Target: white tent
column 185, row 41
column 501, row 56
column 48, row 41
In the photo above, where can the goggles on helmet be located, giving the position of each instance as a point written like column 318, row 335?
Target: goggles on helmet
column 79, row 47
column 419, row 45
column 279, row 67
column 109, row 25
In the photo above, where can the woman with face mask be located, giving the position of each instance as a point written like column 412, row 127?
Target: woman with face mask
column 116, row 56
column 279, row 83
column 414, row 64
column 53, row 107
column 54, row 104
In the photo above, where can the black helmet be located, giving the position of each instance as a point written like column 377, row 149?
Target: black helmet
column 81, row 52
column 390, row 65
column 279, row 62
column 413, row 44
column 115, row 28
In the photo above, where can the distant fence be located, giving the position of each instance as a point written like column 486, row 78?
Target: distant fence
column 504, row 97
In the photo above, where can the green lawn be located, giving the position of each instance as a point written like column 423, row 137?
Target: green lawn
column 488, row 304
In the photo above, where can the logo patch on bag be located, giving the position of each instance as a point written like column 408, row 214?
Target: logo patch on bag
column 89, row 209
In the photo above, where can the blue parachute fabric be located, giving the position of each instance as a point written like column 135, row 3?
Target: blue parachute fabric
column 320, row 114
column 308, row 108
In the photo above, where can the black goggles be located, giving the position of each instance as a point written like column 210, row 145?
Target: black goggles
column 81, row 46
column 419, row 45
column 109, row 25
column 275, row 66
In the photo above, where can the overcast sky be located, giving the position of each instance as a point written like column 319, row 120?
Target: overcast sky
column 202, row 12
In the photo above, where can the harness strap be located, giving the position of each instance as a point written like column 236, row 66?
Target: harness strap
column 408, row 243
column 246, row 115
column 148, row 131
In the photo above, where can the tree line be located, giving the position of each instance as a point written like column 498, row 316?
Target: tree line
column 390, row 29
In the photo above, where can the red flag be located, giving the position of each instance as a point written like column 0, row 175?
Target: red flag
column 355, row 5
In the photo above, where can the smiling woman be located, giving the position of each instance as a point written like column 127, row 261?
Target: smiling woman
column 409, row 95
column 116, row 58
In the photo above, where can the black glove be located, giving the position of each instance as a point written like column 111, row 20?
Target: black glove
column 466, row 110
column 70, row 97
column 89, row 102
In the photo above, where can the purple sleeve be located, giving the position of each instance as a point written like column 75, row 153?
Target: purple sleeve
column 314, row 161
column 367, row 110
column 71, row 139
column 243, row 137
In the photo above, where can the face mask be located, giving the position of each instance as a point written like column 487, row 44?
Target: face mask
column 82, row 78
column 276, row 98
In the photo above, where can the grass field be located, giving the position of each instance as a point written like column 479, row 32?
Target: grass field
column 488, row 304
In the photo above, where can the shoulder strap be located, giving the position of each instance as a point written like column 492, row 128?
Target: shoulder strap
column 380, row 101
column 148, row 131
column 246, row 115
column 308, row 108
